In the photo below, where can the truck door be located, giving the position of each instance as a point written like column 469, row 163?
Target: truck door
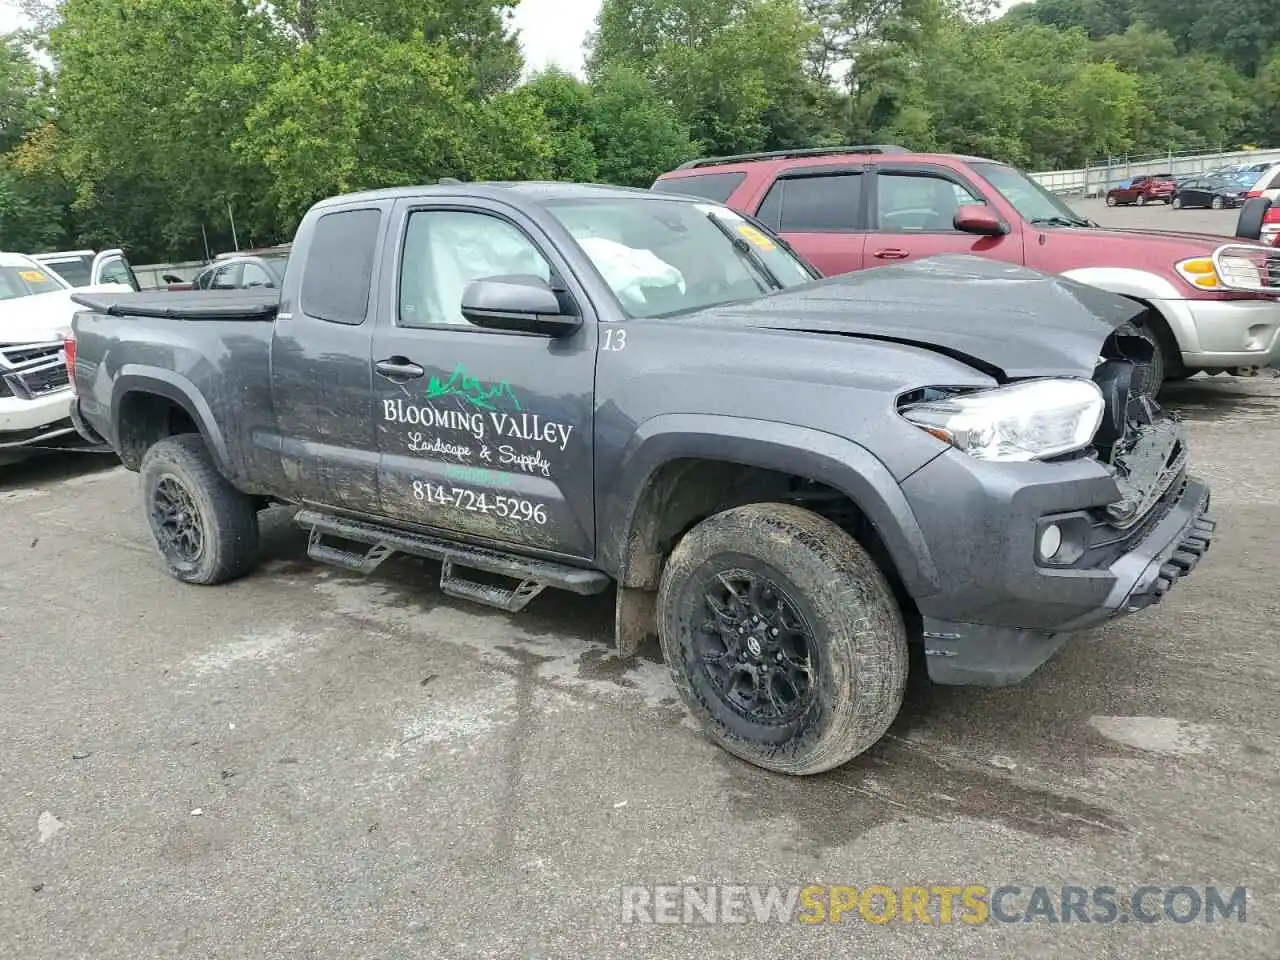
column 320, row 373
column 913, row 208
column 483, row 433
column 111, row 266
column 821, row 212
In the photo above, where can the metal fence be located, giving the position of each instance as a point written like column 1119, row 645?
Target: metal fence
column 1094, row 179
column 151, row 275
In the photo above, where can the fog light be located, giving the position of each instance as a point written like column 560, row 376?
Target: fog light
column 1050, row 541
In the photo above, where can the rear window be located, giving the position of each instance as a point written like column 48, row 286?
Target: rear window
column 710, row 186
column 77, row 271
column 339, row 267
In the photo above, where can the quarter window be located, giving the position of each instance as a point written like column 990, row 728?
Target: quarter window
column 339, row 268
column 445, row 250
column 710, row 186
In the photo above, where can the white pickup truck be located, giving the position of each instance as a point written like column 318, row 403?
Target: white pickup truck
column 35, row 312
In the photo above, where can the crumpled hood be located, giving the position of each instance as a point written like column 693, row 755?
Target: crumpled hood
column 43, row 317
column 1001, row 318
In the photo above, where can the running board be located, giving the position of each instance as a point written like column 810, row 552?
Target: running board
column 533, row 575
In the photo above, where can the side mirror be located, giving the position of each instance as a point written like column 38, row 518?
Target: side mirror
column 979, row 219
column 520, row 304
column 1252, row 214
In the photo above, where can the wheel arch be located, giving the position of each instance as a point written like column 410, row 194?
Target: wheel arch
column 688, row 467
column 150, row 404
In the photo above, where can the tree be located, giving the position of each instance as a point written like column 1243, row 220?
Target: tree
column 357, row 109
column 1242, row 32
column 151, row 94
column 727, row 66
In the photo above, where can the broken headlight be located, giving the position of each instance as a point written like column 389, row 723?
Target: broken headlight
column 1031, row 420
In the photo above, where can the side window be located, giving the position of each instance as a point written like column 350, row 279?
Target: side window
column 339, row 268
column 255, row 276
column 1274, row 184
column 116, row 270
column 445, row 250
column 226, row 278
column 709, row 186
column 829, row 202
column 919, row 202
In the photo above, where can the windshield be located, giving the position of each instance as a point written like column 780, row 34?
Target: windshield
column 18, row 282
column 663, row 258
column 1032, row 201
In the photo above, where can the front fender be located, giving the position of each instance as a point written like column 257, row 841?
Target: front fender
column 136, row 378
column 824, row 457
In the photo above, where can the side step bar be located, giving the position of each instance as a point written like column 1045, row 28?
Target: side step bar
column 533, row 575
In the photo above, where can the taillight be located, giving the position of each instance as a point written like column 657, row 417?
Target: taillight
column 1253, row 194
column 1271, row 227
column 69, row 358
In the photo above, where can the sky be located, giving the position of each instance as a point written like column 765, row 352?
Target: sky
column 551, row 31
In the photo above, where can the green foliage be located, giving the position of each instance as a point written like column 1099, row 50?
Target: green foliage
column 164, row 118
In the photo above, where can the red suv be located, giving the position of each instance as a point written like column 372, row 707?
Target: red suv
column 1215, row 302
column 1143, row 190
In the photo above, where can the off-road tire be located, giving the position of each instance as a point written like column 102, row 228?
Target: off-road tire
column 227, row 517
column 843, row 597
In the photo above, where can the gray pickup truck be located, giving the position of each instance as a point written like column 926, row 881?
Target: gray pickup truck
column 790, row 480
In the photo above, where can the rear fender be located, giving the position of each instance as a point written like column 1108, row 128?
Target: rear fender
column 173, row 386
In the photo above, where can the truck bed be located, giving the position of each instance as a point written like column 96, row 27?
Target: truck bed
column 186, row 305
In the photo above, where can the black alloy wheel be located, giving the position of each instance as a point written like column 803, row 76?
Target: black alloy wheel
column 176, row 521
column 756, row 649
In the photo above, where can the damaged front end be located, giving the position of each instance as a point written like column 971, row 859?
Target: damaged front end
column 1143, row 447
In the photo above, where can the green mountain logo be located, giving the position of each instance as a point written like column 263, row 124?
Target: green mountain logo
column 483, row 396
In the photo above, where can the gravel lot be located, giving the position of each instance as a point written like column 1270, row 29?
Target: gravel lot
column 312, row 764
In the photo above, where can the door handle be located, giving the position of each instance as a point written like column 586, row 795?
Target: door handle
column 399, row 368
column 892, row 253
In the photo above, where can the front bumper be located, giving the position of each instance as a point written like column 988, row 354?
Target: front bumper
column 25, row 423
column 1001, row 615
column 1218, row 334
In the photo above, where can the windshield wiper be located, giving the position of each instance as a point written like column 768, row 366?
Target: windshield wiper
column 748, row 252
column 1062, row 221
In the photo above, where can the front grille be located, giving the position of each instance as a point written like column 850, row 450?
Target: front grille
column 25, row 355
column 46, row 379
column 32, row 370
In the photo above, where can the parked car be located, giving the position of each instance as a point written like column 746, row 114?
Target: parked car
column 1267, row 184
column 87, row 268
column 35, row 315
column 789, row 478
column 242, row 270
column 1217, row 193
column 1142, row 190
column 847, row 208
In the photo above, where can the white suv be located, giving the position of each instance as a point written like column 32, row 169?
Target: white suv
column 35, row 396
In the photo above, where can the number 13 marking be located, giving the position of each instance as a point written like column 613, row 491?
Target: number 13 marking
column 615, row 340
